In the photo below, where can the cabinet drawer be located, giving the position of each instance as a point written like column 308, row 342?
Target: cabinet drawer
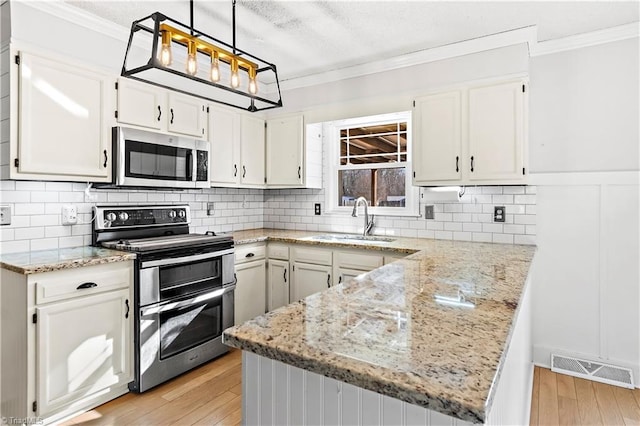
column 360, row 261
column 70, row 283
column 311, row 255
column 247, row 253
column 278, row 251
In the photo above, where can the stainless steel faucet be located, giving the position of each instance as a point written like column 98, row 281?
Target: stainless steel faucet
column 367, row 225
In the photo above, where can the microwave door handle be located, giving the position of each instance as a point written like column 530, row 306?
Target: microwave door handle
column 190, row 165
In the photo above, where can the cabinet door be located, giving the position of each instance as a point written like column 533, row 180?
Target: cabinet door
column 224, row 137
column 141, row 104
column 308, row 279
column 278, row 284
column 63, row 111
column 252, row 150
column 343, row 275
column 187, row 115
column 250, row 294
column 285, row 147
column 437, row 141
column 83, row 348
column 496, row 132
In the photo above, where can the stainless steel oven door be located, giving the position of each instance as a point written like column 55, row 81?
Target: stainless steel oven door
column 176, row 336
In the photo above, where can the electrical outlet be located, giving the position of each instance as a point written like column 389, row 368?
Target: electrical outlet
column 317, row 209
column 429, row 213
column 5, row 215
column 69, row 215
column 498, row 213
column 210, row 209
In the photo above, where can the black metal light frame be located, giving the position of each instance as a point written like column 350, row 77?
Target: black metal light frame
column 154, row 63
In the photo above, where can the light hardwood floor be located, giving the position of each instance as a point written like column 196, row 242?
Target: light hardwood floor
column 564, row 400
column 211, row 395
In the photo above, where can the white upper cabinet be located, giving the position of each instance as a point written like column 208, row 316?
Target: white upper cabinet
column 285, row 149
column 224, row 137
column 496, row 132
column 151, row 107
column 187, row 115
column 438, row 143
column 472, row 136
column 141, row 104
column 61, row 109
column 252, row 150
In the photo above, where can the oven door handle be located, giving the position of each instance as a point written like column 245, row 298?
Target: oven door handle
column 171, row 306
column 185, row 259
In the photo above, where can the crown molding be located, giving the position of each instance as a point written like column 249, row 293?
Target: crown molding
column 493, row 41
column 607, row 35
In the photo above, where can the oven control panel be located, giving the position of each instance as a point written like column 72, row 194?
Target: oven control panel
column 127, row 216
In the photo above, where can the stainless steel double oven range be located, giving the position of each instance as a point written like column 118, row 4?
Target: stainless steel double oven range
column 184, row 287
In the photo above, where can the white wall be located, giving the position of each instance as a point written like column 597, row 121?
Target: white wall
column 584, row 127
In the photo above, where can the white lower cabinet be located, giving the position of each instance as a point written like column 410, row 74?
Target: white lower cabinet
column 343, row 275
column 83, row 347
column 278, row 278
column 66, row 339
column 250, row 298
column 308, row 279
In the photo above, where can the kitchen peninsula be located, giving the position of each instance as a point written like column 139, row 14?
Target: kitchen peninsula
column 441, row 335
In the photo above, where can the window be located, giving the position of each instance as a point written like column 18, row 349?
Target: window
column 370, row 157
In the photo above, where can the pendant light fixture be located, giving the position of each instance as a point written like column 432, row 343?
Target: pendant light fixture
column 166, row 53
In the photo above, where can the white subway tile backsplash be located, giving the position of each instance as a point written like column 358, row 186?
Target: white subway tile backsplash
column 44, row 244
column 482, row 237
column 492, row 190
column 29, row 233
column 503, row 238
column 524, row 199
column 44, row 197
column 513, row 190
column 28, row 208
column 29, row 186
column 14, row 246
column 502, row 199
column 492, row 227
column 514, row 229
column 453, row 226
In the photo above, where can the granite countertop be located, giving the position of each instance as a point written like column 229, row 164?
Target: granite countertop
column 399, row 244
column 53, row 260
column 431, row 329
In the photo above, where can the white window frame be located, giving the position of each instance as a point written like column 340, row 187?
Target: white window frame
column 331, row 133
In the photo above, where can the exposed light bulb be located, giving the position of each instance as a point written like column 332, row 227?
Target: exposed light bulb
column 253, row 84
column 235, row 78
column 165, row 51
column 215, row 68
column 192, row 64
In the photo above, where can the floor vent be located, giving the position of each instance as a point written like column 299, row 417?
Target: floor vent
column 592, row 370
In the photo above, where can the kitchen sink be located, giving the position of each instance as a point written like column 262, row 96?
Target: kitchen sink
column 348, row 238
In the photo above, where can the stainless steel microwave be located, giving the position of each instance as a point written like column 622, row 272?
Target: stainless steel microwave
column 148, row 159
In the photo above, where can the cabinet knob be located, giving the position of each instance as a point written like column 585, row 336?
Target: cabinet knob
column 249, row 255
column 285, row 275
column 244, row 171
column 159, row 112
column 299, row 169
column 328, row 280
column 235, row 170
column 457, row 160
column 472, row 164
column 106, row 158
column 171, row 110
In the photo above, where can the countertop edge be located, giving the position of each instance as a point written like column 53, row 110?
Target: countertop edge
column 66, row 264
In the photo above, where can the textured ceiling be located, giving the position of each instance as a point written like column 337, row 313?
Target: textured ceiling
column 307, row 37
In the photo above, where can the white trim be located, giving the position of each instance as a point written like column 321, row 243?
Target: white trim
column 608, row 35
column 585, row 178
column 466, row 47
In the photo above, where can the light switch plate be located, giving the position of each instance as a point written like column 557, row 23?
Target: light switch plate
column 5, row 215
